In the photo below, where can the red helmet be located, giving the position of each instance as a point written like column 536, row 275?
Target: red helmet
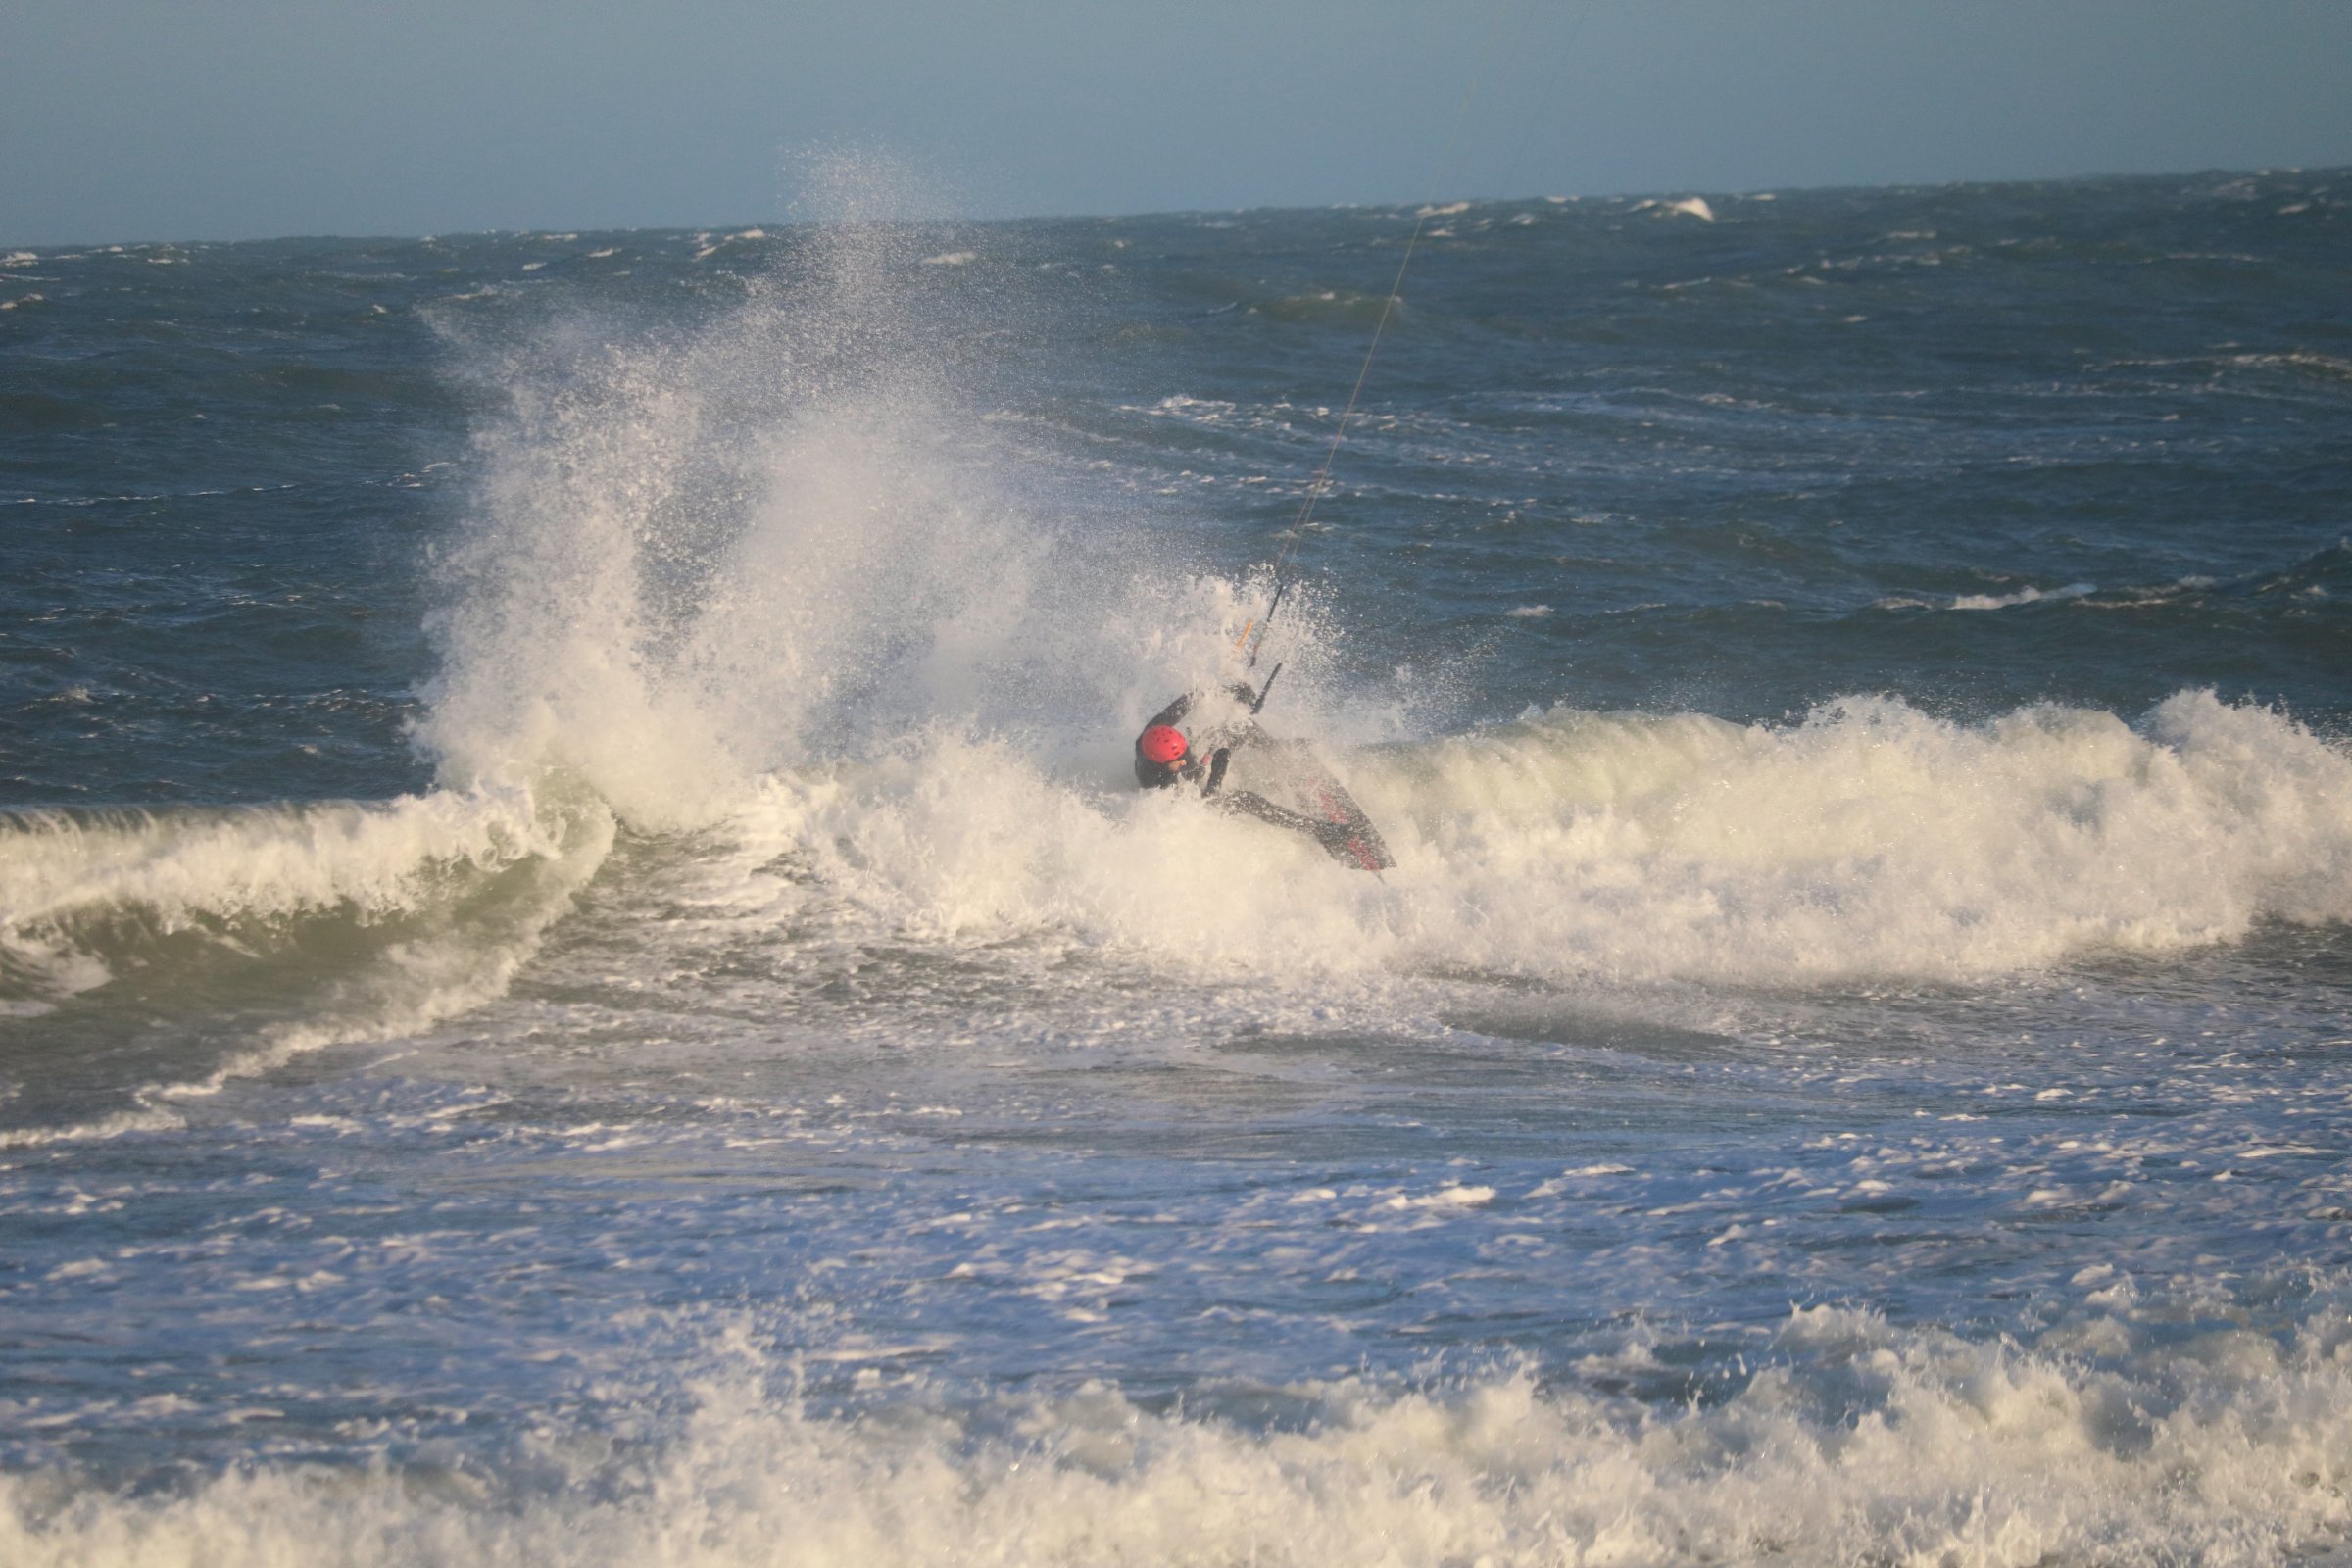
column 1163, row 744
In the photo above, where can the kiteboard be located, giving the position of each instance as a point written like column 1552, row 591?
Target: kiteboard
column 1289, row 774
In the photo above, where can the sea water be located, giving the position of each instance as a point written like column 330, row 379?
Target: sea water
column 583, row 979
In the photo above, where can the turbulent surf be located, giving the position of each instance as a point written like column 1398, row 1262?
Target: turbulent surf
column 583, row 976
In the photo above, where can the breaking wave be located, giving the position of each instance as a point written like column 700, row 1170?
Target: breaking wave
column 337, row 921
column 1870, row 840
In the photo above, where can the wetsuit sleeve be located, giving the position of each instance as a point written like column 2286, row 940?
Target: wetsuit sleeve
column 1217, row 770
column 1173, row 714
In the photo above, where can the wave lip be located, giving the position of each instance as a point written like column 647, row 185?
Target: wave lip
column 65, row 876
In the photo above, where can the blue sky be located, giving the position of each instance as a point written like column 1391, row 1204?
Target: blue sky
column 124, row 120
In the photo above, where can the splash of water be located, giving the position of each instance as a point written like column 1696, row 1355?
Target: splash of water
column 783, row 536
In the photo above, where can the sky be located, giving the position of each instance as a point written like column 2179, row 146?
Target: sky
column 180, row 119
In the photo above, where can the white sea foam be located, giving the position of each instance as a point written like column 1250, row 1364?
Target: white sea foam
column 951, row 258
column 1859, row 1443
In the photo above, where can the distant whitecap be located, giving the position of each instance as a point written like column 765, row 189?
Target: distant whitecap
column 2024, row 596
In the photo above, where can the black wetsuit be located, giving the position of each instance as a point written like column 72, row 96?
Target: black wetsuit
column 1212, row 777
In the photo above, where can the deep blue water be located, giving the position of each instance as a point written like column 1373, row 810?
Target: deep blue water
column 581, row 979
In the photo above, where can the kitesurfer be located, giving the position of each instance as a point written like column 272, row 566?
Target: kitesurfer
column 1164, row 756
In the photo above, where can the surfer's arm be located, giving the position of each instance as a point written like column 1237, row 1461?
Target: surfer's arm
column 1173, row 714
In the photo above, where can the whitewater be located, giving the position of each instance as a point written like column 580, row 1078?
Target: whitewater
column 583, row 977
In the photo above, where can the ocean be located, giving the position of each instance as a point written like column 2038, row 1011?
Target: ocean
column 584, row 979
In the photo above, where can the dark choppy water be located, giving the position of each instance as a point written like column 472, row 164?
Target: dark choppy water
column 580, row 978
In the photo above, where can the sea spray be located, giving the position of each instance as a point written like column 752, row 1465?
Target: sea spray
column 779, row 537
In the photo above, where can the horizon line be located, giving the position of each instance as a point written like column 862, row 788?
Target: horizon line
column 9, row 249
